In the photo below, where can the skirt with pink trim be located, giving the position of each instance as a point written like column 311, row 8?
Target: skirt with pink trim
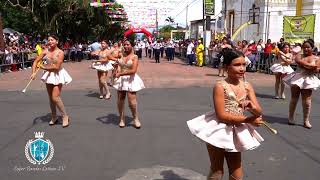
column 231, row 138
column 56, row 77
column 304, row 81
column 103, row 66
column 278, row 68
column 131, row 83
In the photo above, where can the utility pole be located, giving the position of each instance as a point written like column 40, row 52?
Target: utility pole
column 240, row 18
column 1, row 35
column 204, row 24
column 187, row 17
column 157, row 26
column 299, row 8
column 225, row 16
column 267, row 23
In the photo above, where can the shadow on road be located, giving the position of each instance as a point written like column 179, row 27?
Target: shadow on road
column 93, row 94
column 265, row 96
column 275, row 119
column 114, row 119
column 44, row 119
column 38, row 120
column 170, row 175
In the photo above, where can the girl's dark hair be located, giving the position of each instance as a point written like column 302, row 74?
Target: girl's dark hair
column 229, row 55
column 310, row 41
column 131, row 42
column 103, row 40
column 285, row 44
column 54, row 36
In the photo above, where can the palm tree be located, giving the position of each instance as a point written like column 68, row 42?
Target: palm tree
column 170, row 20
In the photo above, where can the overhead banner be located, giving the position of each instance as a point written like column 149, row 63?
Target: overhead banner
column 296, row 29
column 209, row 7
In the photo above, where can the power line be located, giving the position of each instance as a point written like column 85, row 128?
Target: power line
column 190, row 5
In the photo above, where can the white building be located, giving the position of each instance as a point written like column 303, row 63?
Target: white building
column 236, row 13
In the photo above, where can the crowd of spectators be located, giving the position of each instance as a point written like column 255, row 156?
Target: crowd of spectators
column 21, row 49
column 18, row 47
column 260, row 54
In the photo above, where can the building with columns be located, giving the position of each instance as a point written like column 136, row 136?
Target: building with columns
column 270, row 19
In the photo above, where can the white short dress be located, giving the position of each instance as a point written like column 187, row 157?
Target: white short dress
column 283, row 69
column 131, row 83
column 107, row 66
column 55, row 77
column 303, row 78
column 230, row 137
column 103, row 66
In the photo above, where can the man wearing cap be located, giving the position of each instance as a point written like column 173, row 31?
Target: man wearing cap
column 199, row 53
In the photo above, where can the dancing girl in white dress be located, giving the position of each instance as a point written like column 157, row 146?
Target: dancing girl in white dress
column 54, row 76
column 103, row 65
column 114, row 55
column 127, row 82
column 303, row 81
column 281, row 69
column 227, row 131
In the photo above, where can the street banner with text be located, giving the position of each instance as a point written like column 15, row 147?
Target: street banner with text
column 209, row 7
column 296, row 29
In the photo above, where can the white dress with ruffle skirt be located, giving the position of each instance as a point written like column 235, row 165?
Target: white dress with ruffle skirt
column 131, row 83
column 283, row 69
column 303, row 78
column 60, row 76
column 230, row 137
column 103, row 66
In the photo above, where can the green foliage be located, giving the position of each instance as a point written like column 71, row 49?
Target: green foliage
column 16, row 19
column 73, row 19
column 165, row 31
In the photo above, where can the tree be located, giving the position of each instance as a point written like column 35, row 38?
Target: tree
column 1, row 37
column 165, row 31
column 67, row 18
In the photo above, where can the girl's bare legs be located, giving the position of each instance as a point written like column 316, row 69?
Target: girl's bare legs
column 221, row 71
column 282, row 86
column 295, row 93
column 111, row 78
column 52, row 105
column 234, row 165
column 276, row 85
column 133, row 104
column 216, row 156
column 58, row 101
column 120, row 103
column 306, row 106
column 103, row 81
column 99, row 73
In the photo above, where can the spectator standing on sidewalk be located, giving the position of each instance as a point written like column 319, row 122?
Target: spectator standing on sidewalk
column 224, row 44
column 267, row 53
column 38, row 48
column 190, row 52
column 199, row 53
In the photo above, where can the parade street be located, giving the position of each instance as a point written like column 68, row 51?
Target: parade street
column 94, row 147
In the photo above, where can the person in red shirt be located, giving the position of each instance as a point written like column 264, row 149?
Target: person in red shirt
column 267, row 53
column 268, row 46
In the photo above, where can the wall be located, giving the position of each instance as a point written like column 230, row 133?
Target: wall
column 272, row 16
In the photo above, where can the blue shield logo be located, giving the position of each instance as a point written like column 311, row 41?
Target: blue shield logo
column 39, row 149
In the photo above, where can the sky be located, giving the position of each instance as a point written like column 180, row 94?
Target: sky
column 143, row 12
